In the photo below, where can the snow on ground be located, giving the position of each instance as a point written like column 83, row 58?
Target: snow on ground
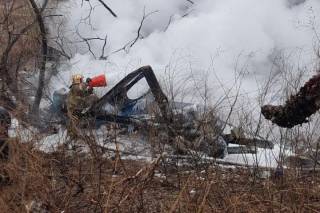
column 51, row 142
column 138, row 148
column 125, row 144
column 264, row 158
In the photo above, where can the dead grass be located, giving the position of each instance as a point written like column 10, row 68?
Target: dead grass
column 73, row 182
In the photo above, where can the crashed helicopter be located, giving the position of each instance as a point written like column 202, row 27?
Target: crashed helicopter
column 186, row 127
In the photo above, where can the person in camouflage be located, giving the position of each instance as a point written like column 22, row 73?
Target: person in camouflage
column 298, row 108
column 79, row 99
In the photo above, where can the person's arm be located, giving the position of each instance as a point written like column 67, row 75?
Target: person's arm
column 89, row 88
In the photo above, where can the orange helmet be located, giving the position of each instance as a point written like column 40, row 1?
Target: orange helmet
column 77, row 79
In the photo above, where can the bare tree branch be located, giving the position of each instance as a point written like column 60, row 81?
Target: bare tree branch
column 108, row 8
column 103, row 57
column 130, row 44
column 59, row 40
column 13, row 39
column 87, row 40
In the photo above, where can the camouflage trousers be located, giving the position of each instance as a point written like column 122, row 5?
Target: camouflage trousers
column 76, row 123
column 76, row 119
column 72, row 125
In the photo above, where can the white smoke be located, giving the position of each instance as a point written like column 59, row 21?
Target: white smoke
column 209, row 38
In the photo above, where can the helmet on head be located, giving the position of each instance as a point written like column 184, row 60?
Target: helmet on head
column 5, row 118
column 77, row 79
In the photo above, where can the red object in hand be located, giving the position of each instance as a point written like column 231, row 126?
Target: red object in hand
column 98, row 81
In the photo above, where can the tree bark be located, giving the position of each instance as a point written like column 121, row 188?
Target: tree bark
column 44, row 51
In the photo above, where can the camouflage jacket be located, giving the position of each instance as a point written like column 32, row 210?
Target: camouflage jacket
column 78, row 94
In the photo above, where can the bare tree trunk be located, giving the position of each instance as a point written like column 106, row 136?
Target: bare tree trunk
column 44, row 51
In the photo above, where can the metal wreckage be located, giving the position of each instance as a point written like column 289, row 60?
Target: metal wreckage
column 185, row 127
